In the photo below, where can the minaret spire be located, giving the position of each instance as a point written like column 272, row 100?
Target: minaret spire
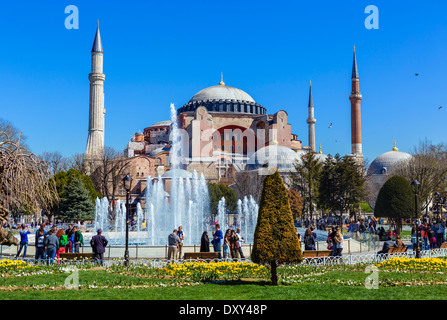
column 355, row 70
column 97, row 44
column 356, row 98
column 311, row 120
column 95, row 141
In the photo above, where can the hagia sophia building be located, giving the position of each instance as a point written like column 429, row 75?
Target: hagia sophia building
column 230, row 138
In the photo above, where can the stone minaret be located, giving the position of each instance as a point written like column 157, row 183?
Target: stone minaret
column 311, row 121
column 356, row 125
column 95, row 141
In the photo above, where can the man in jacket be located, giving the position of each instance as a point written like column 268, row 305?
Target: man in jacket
column 387, row 245
column 78, row 239
column 173, row 241
column 217, row 237
column 99, row 243
column 51, row 245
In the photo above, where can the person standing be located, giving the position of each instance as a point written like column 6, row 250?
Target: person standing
column 51, row 246
column 332, row 240
column 226, row 245
column 440, row 231
column 181, row 236
column 234, row 245
column 78, row 239
column 217, row 237
column 241, row 239
column 69, row 232
column 173, row 241
column 23, row 240
column 205, row 242
column 339, row 243
column 424, row 235
column 40, row 246
column 309, row 240
column 60, row 234
column 98, row 244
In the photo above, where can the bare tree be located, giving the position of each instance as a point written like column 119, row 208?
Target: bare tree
column 111, row 167
column 24, row 178
column 76, row 162
column 429, row 166
column 55, row 161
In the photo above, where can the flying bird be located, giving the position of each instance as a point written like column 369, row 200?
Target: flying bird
column 330, row 125
column 440, row 107
column 416, row 74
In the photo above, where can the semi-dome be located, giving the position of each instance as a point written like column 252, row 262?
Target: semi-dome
column 275, row 156
column 166, row 123
column 223, row 98
column 385, row 162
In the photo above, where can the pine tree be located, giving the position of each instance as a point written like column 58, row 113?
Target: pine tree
column 306, row 181
column 75, row 202
column 275, row 239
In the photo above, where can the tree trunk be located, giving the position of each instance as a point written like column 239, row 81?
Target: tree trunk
column 274, row 275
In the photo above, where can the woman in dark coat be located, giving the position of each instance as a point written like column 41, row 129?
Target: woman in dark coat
column 205, row 242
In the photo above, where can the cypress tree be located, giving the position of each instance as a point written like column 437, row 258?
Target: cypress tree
column 75, row 202
column 395, row 200
column 275, row 239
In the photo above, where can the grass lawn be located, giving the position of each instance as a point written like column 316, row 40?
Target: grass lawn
column 296, row 283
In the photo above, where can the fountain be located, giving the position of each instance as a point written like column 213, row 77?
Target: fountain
column 187, row 205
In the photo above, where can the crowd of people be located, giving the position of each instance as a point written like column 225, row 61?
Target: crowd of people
column 431, row 233
column 51, row 242
column 228, row 245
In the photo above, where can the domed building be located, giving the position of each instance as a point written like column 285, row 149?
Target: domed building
column 383, row 164
column 380, row 169
column 275, row 156
column 224, row 125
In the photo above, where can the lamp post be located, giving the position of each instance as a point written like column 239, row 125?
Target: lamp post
column 438, row 199
column 416, row 184
column 127, row 181
column 341, row 214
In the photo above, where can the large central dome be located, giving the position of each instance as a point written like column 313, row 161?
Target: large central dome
column 222, row 92
column 222, row 98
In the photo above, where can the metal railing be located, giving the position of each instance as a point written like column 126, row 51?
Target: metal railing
column 372, row 258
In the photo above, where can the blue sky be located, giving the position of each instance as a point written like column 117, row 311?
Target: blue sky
column 159, row 52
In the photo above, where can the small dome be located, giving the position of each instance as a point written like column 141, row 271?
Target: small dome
column 222, row 92
column 384, row 163
column 276, row 156
column 154, row 152
column 139, row 133
column 177, row 173
column 320, row 156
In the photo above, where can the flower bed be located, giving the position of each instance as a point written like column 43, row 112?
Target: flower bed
column 202, row 271
column 413, row 264
column 14, row 266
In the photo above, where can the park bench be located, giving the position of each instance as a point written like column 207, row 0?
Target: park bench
column 76, row 256
column 201, row 255
column 316, row 253
column 400, row 249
